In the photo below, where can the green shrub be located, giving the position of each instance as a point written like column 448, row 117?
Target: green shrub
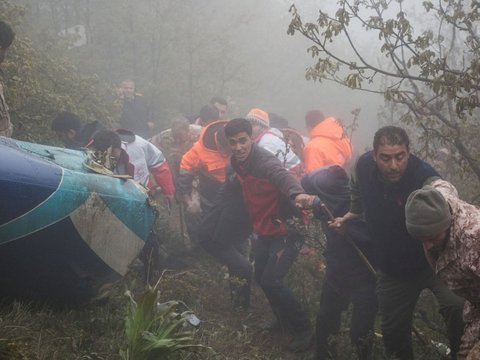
column 157, row 332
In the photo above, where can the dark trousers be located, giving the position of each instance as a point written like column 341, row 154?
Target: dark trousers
column 195, row 222
column 334, row 300
column 397, row 299
column 234, row 255
column 224, row 235
column 273, row 257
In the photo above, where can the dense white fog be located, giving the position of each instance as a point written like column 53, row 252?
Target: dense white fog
column 182, row 53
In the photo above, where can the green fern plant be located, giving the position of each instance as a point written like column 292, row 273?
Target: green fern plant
column 157, row 332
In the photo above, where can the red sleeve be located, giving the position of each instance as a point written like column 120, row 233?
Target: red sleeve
column 163, row 177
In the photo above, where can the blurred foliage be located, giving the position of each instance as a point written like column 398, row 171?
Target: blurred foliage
column 425, row 59
column 157, row 44
column 41, row 81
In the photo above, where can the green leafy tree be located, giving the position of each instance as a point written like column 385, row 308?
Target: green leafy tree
column 424, row 59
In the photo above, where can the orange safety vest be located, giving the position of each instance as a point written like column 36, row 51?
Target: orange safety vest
column 204, row 157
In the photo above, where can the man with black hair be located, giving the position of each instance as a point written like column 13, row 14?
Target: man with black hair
column 136, row 114
column 271, row 194
column 221, row 105
column 148, row 161
column 208, row 114
column 6, row 38
column 213, row 111
column 72, row 132
column 382, row 181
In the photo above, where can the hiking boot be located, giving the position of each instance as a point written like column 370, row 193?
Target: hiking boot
column 365, row 351
column 240, row 295
column 272, row 326
column 300, row 342
column 277, row 325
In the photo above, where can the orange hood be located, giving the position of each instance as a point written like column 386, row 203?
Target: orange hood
column 329, row 128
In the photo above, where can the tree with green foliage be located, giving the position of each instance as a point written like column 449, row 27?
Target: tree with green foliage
column 424, row 59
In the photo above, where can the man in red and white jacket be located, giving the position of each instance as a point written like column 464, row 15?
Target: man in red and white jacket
column 137, row 157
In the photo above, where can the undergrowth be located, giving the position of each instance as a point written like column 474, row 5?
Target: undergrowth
column 98, row 330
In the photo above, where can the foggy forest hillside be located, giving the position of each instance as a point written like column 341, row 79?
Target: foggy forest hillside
column 182, row 53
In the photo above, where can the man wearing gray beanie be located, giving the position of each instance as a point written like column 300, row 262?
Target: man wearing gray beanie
column 428, row 218
column 449, row 230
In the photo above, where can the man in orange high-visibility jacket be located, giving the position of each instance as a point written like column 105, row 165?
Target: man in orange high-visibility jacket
column 328, row 144
column 207, row 159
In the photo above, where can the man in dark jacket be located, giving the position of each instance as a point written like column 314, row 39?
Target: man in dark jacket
column 223, row 232
column 73, row 132
column 270, row 193
column 136, row 115
column 348, row 278
column 381, row 184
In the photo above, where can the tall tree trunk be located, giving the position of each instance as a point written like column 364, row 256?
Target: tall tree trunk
column 53, row 15
column 133, row 44
column 88, row 26
column 190, row 77
column 66, row 15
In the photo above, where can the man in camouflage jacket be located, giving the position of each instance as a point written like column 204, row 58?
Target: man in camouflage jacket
column 449, row 230
column 176, row 141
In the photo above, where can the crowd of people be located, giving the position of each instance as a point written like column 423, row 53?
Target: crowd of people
column 393, row 226
column 241, row 180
